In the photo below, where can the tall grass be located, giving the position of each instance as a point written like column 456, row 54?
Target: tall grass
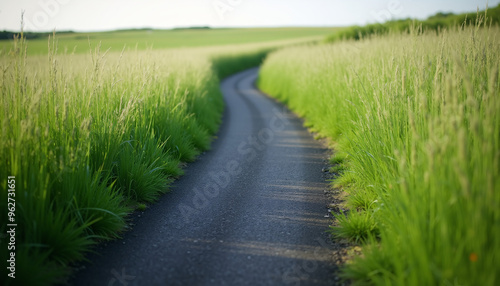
column 416, row 121
column 90, row 136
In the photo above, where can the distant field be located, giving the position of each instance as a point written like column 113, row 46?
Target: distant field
column 161, row 39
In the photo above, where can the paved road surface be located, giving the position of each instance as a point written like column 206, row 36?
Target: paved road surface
column 248, row 212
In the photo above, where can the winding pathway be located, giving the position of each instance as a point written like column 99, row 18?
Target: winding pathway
column 251, row 211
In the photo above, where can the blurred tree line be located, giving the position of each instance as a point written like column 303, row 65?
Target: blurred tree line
column 436, row 23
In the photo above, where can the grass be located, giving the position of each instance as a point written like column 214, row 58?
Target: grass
column 91, row 137
column 132, row 40
column 416, row 121
column 434, row 23
column 358, row 226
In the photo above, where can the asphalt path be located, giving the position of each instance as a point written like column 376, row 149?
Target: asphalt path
column 251, row 211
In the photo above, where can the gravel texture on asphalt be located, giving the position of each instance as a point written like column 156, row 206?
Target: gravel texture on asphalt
column 251, row 211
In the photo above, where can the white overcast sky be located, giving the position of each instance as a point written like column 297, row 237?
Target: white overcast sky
column 98, row 15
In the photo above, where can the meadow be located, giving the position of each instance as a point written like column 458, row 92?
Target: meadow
column 415, row 121
column 97, row 125
column 91, row 137
column 143, row 39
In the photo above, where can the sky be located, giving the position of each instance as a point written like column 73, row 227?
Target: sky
column 102, row 15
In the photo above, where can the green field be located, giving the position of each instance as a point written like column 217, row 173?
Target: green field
column 416, row 123
column 116, row 41
column 97, row 125
column 92, row 136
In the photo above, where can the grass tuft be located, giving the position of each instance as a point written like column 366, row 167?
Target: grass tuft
column 357, row 226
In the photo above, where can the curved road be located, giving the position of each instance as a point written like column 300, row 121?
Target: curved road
column 249, row 212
